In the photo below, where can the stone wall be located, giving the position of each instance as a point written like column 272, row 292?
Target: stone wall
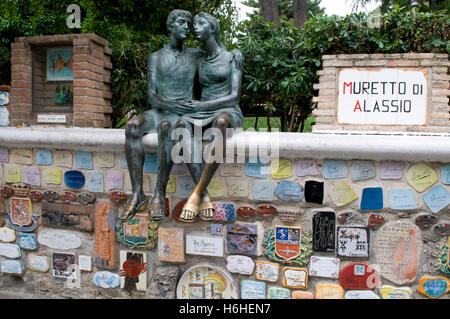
column 382, row 181
column 436, row 65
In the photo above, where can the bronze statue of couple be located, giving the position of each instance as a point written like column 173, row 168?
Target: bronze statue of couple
column 186, row 87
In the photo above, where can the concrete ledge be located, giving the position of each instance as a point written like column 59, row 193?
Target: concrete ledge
column 331, row 145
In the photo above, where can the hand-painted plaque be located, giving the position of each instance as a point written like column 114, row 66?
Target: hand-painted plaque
column 298, row 294
column 442, row 229
column 302, row 259
column 217, row 229
column 375, row 221
column 206, row 282
column 362, row 170
column 216, row 188
column 329, row 291
column 224, row 211
column 139, row 232
column 4, row 98
column 242, row 239
column 106, row 279
column 360, row 294
column 67, row 197
column 433, row 287
column 281, row 168
column 424, row 222
column 266, row 271
column 391, row 170
column 421, row 177
column 240, row 264
column 314, row 192
column 114, row 180
column 253, row 289
column 27, row 241
column 10, row 251
column 402, row 199
column 31, row 176
column 205, row 245
column 324, row 225
column 95, row 182
column 278, row 293
column 51, row 196
column 304, row 167
column 60, row 239
column 38, row 263
column 85, row 263
column 263, row 190
column 21, row 211
column 441, row 255
column 437, row 198
column 67, row 216
column 352, row 241
column 287, row 242
column 61, row 263
column 133, row 271
column 171, row 245
column 358, row 276
column 327, row 267
column 372, row 198
column 22, row 156
column 398, row 246
column 105, row 239
column 266, row 211
column 84, row 160
column 295, row 277
column 7, row 235
column 288, row 216
column 342, row 194
column 289, row 191
column 43, row 157
column 74, row 179
column 59, row 63
column 237, row 188
column 333, row 169
column 14, row 267
column 390, row 292
column 104, row 160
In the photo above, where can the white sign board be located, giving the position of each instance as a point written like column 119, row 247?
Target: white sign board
column 204, row 245
column 51, row 118
column 383, row 96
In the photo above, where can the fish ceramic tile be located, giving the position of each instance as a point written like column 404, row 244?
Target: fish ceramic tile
column 295, row 277
column 84, row 160
column 171, row 245
column 314, row 192
column 398, row 247
column 86, row 198
column 246, row 212
column 372, row 198
column 36, row 196
column 242, row 239
column 329, row 291
column 266, row 271
column 433, row 287
column 43, row 157
column 342, row 194
column 289, row 191
column 421, row 177
column 334, row 169
column 442, row 229
column 390, row 292
column 402, row 199
column 358, row 276
column 391, row 170
column 305, row 167
column 323, row 226
column 353, row 241
column 240, row 264
column 437, row 198
column 362, row 170
column 6, row 192
column 51, row 195
column 278, row 293
column 67, row 197
column 327, row 267
column 266, row 211
column 253, row 289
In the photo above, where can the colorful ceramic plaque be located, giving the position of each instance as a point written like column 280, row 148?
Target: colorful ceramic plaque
column 106, row 279
column 133, row 271
column 105, row 238
column 437, row 198
column 298, row 294
column 327, row 267
column 217, row 229
column 421, row 177
column 60, row 239
column 402, row 199
column 95, row 182
column 287, row 242
column 278, row 293
column 358, row 276
column 59, row 63
column 266, row 271
column 324, row 225
column 206, row 282
column 171, row 245
column 224, row 211
column 27, row 241
column 14, row 267
column 242, row 239
column 352, row 241
column 372, row 198
column 333, row 169
column 398, row 247
column 31, row 176
column 263, row 190
column 424, row 222
column 295, row 277
column 362, row 170
column 205, row 245
column 391, row 170
column 67, row 216
column 345, row 217
column 138, row 232
column 342, row 194
column 216, row 188
column 325, row 291
column 269, row 244
column 84, row 160
column 314, row 192
column 390, row 292
column 4, row 98
column 7, row 235
column 433, row 287
column 360, row 294
column 85, row 263
column 442, row 256
column 38, row 263
column 253, row 289
column 289, row 191
column 375, row 221
column 61, row 263
column 43, row 157
column 237, row 188
column 281, row 168
column 305, row 167
column 21, row 211
column 240, row 264
column 10, row 251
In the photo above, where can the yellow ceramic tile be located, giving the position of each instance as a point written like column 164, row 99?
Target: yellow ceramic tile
column 342, row 194
column 171, row 185
column 281, row 168
column 216, row 187
column 12, row 174
column 104, row 159
column 421, row 177
column 329, row 292
column 52, row 176
column 389, row 292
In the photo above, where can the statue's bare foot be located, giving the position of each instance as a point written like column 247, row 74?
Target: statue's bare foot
column 190, row 209
column 138, row 203
column 157, row 208
column 206, row 211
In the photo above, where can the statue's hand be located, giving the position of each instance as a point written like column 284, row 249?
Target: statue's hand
column 186, row 106
column 238, row 58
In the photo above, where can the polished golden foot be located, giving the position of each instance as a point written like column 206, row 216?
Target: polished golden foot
column 206, row 211
column 189, row 212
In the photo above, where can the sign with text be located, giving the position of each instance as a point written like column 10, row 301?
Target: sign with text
column 383, row 96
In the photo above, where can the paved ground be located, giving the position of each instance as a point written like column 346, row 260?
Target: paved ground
column 16, row 295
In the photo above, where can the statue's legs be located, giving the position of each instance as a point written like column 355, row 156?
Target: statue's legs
column 135, row 155
column 157, row 204
column 192, row 206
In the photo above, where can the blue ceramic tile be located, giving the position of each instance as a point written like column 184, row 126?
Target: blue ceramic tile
column 74, row 179
column 402, row 199
column 95, row 182
column 27, row 241
column 217, row 229
column 255, row 169
column 263, row 190
column 333, row 169
column 185, row 186
column 150, row 163
column 84, row 160
column 372, row 198
column 43, row 157
column 253, row 289
column 289, row 191
column 445, row 174
column 123, row 161
column 437, row 198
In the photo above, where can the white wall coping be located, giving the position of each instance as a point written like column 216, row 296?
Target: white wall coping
column 331, row 145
